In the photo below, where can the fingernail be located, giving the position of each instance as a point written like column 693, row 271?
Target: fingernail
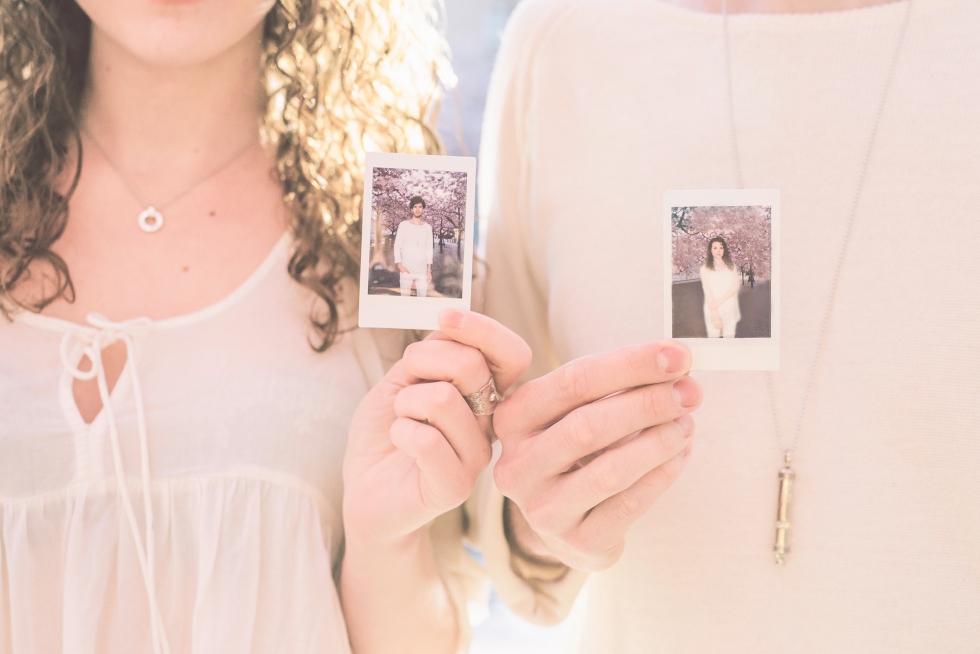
column 453, row 319
column 687, row 392
column 672, row 359
column 686, row 423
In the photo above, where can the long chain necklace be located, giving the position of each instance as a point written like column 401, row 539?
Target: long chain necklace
column 786, row 473
column 150, row 219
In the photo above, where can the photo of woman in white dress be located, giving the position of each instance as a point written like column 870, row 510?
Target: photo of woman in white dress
column 720, row 282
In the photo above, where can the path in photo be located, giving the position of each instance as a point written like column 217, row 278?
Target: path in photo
column 743, row 234
column 444, row 195
column 688, row 315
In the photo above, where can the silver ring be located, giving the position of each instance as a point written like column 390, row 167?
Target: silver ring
column 484, row 402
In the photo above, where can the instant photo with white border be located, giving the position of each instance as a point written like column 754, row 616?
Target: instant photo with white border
column 421, row 306
column 716, row 351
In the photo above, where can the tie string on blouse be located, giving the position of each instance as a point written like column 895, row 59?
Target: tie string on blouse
column 103, row 333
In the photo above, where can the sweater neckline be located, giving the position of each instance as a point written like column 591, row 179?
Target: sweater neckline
column 872, row 13
column 278, row 252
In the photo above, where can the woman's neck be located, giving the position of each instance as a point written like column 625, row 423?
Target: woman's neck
column 776, row 6
column 153, row 118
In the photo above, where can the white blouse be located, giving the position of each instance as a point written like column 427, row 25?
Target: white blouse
column 244, row 428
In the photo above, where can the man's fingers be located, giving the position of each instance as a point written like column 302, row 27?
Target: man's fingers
column 543, row 401
column 591, row 428
column 444, row 482
column 619, row 468
column 507, row 355
column 441, row 405
column 605, row 526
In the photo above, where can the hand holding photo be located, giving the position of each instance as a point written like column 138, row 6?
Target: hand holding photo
column 416, row 248
column 721, row 283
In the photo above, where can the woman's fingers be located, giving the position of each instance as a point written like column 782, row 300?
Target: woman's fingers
column 441, row 406
column 618, row 469
column 598, row 425
column 543, row 401
column 440, row 360
column 506, row 353
column 444, row 482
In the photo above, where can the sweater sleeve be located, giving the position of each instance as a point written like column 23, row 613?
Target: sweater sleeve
column 428, row 245
column 516, row 289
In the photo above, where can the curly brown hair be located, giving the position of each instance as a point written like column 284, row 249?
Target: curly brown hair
column 342, row 77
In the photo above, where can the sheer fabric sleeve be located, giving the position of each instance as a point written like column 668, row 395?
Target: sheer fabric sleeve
column 705, row 286
column 516, row 290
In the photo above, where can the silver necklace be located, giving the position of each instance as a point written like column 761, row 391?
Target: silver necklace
column 786, row 474
column 150, row 219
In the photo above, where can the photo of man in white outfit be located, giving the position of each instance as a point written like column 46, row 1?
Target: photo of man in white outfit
column 413, row 251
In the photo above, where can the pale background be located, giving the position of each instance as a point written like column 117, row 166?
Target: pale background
column 473, row 30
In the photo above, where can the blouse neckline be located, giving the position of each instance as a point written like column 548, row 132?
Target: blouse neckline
column 278, row 252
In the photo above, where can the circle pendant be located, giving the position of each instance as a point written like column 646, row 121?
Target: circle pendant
column 150, row 220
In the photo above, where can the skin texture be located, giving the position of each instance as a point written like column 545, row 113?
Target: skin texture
column 173, row 91
column 583, row 523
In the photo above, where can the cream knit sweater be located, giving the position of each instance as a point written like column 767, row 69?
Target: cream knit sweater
column 598, row 107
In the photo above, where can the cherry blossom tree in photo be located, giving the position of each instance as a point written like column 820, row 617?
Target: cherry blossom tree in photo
column 444, row 193
column 746, row 230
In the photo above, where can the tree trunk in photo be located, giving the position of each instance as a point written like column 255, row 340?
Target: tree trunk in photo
column 378, row 251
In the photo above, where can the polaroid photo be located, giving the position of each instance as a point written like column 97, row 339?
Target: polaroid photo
column 417, row 243
column 721, row 277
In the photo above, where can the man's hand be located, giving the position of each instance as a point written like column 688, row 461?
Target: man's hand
column 401, row 268
column 588, row 448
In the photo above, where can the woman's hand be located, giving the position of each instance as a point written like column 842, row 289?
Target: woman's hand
column 713, row 305
column 623, row 414
column 415, row 447
column 716, row 320
column 414, row 452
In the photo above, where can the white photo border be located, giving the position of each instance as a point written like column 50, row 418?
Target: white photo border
column 396, row 312
column 726, row 353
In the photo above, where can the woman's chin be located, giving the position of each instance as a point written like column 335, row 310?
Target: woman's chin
column 175, row 33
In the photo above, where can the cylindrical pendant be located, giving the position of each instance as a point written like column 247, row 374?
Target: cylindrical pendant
column 781, row 547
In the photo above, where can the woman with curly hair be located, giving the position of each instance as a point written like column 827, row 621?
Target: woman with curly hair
column 183, row 392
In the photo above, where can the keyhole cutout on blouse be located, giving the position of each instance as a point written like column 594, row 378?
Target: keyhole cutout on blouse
column 86, row 391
